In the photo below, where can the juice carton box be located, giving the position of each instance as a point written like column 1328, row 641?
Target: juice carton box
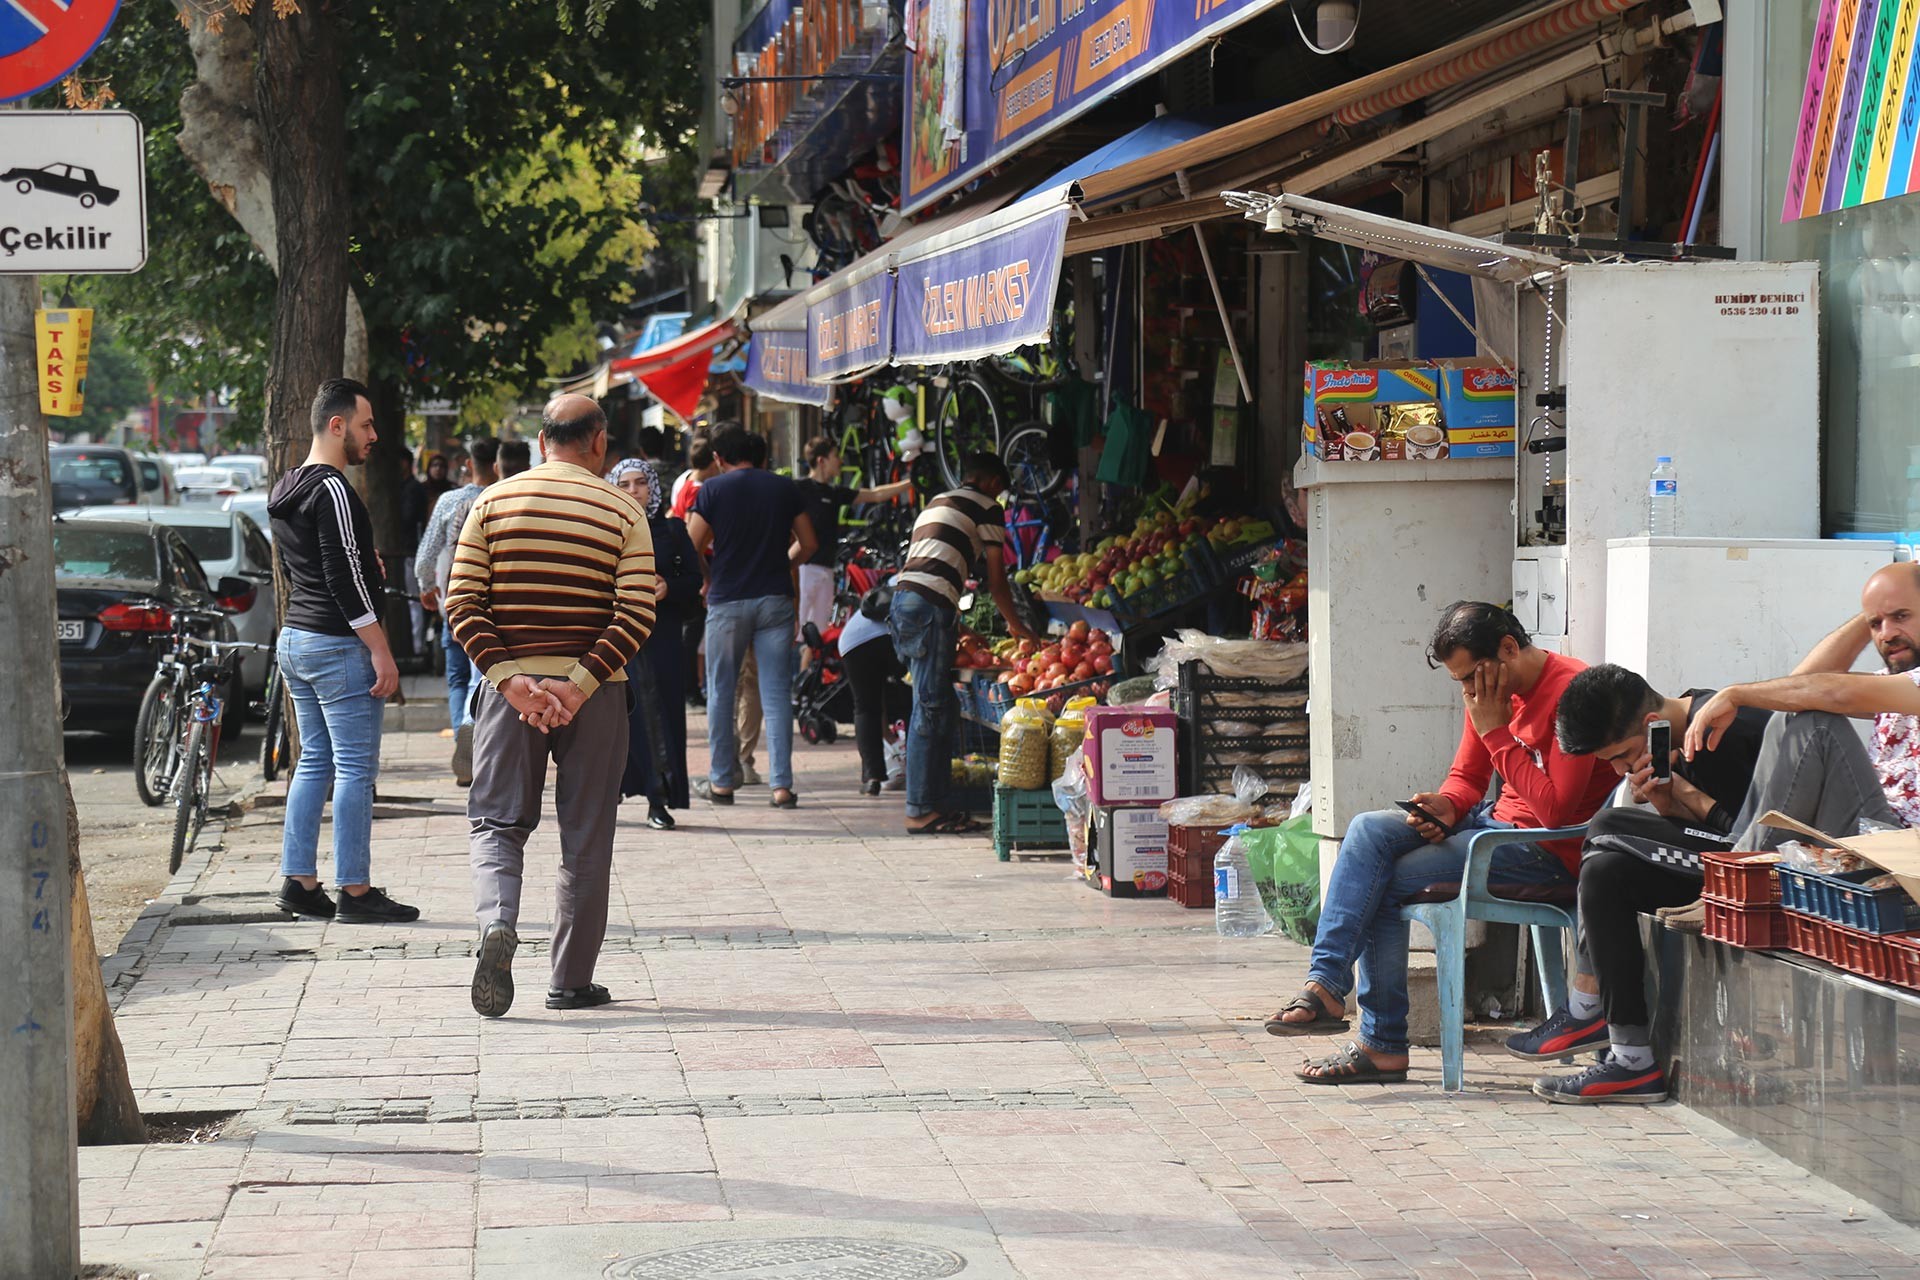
column 1130, row 851
column 1130, row 755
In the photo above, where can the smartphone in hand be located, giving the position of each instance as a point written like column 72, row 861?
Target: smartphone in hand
column 1424, row 816
column 1660, row 749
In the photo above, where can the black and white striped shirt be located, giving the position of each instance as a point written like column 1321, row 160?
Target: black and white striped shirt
column 950, row 538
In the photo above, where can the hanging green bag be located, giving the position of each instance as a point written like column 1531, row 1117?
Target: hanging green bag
column 1285, row 861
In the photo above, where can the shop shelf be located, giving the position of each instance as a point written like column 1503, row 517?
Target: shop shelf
column 1842, row 898
column 1754, row 927
column 1738, row 883
column 1026, row 820
column 1903, row 959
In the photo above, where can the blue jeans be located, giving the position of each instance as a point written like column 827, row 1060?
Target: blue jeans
column 1382, row 863
column 460, row 680
column 925, row 636
column 331, row 680
column 764, row 624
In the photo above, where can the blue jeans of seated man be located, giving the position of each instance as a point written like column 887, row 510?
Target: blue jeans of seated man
column 460, row 681
column 1382, row 863
column 331, row 681
column 925, row 636
column 765, row 625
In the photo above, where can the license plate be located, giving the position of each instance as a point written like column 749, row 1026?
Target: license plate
column 71, row 631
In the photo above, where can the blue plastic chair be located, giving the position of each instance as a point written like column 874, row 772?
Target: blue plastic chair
column 1447, row 920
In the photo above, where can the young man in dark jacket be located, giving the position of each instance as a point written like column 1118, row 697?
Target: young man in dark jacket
column 335, row 661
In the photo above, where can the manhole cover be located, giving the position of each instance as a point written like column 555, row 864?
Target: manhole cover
column 804, row 1259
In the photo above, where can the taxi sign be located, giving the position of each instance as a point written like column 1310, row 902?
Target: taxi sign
column 42, row 40
column 73, row 192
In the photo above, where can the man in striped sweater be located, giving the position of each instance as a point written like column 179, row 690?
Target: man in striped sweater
column 552, row 594
column 961, row 529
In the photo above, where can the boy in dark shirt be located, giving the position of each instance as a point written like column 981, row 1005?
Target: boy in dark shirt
column 1636, row 860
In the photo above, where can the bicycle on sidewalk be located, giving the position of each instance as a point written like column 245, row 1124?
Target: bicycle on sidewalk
column 200, row 742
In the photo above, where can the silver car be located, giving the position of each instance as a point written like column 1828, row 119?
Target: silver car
column 212, row 485
column 227, row 544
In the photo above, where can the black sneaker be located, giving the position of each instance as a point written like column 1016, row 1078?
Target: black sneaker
column 1561, row 1036
column 1605, row 1082
column 493, row 971
column 296, row 899
column 373, row 907
column 590, row 996
column 659, row 819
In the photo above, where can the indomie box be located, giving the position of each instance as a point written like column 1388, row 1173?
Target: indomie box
column 1130, row 755
column 1130, row 851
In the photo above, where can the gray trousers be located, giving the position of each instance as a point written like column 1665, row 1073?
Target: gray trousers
column 1813, row 768
column 503, row 808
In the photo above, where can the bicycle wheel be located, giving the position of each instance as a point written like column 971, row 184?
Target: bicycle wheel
column 274, row 738
column 156, row 737
column 1029, row 458
column 190, row 795
column 967, row 421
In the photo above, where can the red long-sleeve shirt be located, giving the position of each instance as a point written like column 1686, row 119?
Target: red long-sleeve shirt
column 1540, row 786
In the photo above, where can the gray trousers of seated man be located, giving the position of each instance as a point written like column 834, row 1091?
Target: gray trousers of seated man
column 503, row 808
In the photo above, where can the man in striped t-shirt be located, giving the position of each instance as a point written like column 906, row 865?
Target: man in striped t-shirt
column 960, row 529
column 552, row 594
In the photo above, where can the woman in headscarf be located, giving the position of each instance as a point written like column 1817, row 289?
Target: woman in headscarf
column 657, row 726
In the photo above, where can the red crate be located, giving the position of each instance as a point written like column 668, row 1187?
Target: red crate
column 1740, row 884
column 1861, row 953
column 1192, row 892
column 1190, row 853
column 1809, row 936
column 1760, row 928
column 1903, row 959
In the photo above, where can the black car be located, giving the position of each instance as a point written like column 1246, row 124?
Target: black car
column 64, row 180
column 120, row 586
column 95, row 475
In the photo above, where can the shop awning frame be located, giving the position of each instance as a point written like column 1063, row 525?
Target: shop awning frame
column 1398, row 238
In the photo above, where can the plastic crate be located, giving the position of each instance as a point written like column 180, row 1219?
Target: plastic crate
column 1861, row 953
column 1761, row 928
column 1191, row 892
column 1026, row 820
column 1738, row 883
column 1839, row 897
column 1903, row 959
column 1162, row 597
column 996, row 699
column 1809, row 936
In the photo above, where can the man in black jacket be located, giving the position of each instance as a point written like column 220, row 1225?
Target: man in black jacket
column 335, row 661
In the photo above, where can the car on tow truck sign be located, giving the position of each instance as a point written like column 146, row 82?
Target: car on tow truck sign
column 73, row 193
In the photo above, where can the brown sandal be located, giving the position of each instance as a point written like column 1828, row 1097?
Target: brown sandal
column 1322, row 1021
column 1349, row 1066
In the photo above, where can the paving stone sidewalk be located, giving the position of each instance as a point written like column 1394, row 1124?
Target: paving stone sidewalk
column 837, row 1051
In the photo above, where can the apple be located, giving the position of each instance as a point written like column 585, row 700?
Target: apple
column 1101, row 663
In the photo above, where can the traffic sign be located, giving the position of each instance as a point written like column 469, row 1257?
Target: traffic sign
column 42, row 40
column 73, row 192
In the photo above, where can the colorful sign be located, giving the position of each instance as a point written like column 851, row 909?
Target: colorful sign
column 1859, row 110
column 777, row 368
column 1026, row 68
column 61, row 340
column 42, row 40
column 980, row 291
column 850, row 329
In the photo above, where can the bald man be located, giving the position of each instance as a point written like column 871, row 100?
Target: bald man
column 551, row 596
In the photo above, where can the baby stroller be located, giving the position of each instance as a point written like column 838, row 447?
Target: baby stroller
column 822, row 700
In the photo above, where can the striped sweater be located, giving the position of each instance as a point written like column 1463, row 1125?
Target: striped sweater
column 553, row 576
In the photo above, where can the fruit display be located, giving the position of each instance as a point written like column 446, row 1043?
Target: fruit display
column 1084, row 653
column 1163, row 548
column 975, row 655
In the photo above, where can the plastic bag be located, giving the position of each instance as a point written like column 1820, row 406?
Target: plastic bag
column 1807, row 857
column 1212, row 812
column 1071, row 797
column 1256, row 659
column 1285, row 861
column 1024, row 743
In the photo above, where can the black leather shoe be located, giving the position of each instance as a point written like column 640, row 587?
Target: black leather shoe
column 296, row 899
column 373, row 907
column 590, row 996
column 659, row 819
column 493, row 970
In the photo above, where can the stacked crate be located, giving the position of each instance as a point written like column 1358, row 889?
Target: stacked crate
column 1743, row 901
column 1833, row 916
column 1210, row 705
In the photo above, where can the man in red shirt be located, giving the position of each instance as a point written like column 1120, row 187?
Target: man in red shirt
column 1511, row 691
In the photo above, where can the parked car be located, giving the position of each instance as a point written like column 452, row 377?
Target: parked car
column 228, row 544
column 212, row 485
column 252, row 463
column 253, row 505
column 65, row 180
column 91, row 475
column 119, row 586
column 157, row 484
column 186, row 459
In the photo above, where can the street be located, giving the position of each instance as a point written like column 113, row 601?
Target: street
column 123, row 843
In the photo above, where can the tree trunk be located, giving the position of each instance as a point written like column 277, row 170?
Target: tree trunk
column 108, row 1113
column 381, row 481
column 300, row 103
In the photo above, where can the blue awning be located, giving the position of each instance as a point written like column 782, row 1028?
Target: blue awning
column 1156, row 134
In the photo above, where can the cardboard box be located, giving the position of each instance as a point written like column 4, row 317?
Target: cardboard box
column 1130, row 851
column 1130, row 755
column 1462, row 410
column 1897, row 852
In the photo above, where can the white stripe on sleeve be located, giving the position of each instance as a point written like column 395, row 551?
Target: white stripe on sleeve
column 343, row 511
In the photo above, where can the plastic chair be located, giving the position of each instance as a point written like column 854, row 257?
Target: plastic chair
column 1447, row 920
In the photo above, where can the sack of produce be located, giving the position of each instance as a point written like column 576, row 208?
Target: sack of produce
column 1025, row 744
column 1069, row 731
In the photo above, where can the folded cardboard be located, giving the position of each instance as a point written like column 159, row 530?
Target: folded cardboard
column 1896, row 852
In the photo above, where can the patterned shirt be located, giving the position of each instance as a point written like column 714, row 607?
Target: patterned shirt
column 1896, row 758
column 956, row 532
column 553, row 576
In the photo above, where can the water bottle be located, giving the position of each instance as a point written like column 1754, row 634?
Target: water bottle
column 1237, row 910
column 1663, row 499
